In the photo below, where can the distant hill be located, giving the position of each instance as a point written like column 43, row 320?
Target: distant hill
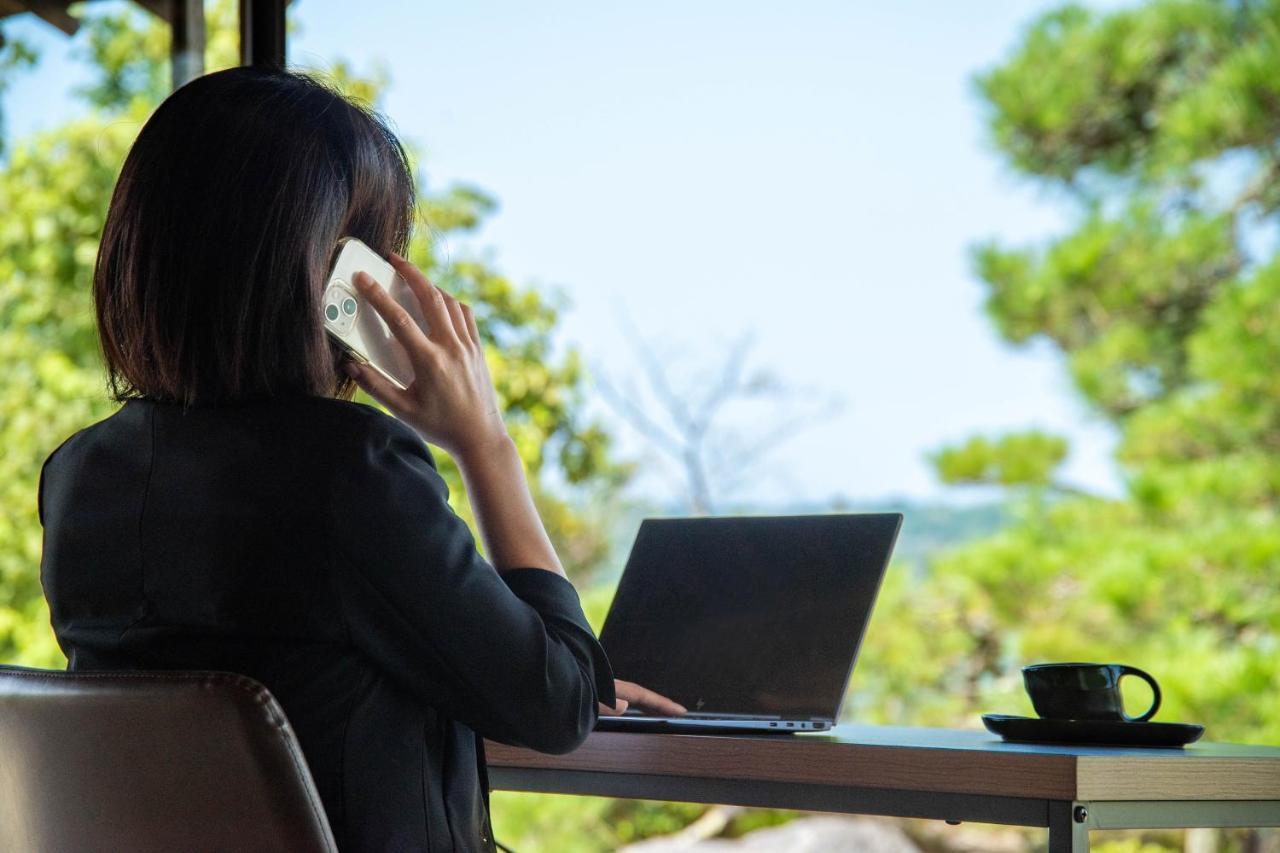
column 926, row 529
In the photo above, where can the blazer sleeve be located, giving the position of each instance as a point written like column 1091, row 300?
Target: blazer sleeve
column 510, row 654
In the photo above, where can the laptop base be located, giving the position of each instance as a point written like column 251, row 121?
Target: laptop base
column 705, row 725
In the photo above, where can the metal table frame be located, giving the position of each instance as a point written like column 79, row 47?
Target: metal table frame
column 1068, row 822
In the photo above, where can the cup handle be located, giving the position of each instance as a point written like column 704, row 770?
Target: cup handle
column 1155, row 690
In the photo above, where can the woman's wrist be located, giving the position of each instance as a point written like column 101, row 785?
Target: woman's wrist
column 482, row 446
column 498, row 491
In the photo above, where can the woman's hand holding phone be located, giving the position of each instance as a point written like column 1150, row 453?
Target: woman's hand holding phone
column 451, row 401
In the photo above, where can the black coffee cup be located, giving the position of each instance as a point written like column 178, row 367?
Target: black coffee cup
column 1084, row 691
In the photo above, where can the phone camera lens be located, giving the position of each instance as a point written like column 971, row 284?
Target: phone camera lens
column 331, row 311
column 349, row 307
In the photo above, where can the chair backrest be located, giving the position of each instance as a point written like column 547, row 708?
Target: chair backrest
column 151, row 761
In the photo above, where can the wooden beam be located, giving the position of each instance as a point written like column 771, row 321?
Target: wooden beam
column 53, row 12
column 262, row 34
column 186, row 47
column 159, row 8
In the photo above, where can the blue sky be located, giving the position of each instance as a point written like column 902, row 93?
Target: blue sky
column 811, row 172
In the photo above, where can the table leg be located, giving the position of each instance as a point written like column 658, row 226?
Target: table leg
column 1068, row 828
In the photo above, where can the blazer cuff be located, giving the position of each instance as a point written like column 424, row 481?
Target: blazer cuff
column 557, row 601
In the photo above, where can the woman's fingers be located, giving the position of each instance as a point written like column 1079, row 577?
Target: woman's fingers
column 456, row 315
column 401, row 323
column 644, row 698
column 471, row 324
column 452, row 401
column 378, row 386
column 430, row 298
column 613, row 710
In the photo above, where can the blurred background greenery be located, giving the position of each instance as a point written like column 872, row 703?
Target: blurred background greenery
column 1155, row 126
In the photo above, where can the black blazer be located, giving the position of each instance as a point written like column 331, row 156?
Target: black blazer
column 306, row 542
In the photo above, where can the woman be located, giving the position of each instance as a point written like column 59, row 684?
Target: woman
column 240, row 513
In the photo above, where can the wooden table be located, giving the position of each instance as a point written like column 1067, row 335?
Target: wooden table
column 944, row 774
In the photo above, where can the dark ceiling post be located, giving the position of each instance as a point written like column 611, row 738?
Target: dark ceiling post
column 262, row 32
column 186, row 49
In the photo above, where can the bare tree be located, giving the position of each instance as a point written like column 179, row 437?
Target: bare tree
column 687, row 424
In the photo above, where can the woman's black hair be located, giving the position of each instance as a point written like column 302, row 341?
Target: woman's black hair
column 221, row 230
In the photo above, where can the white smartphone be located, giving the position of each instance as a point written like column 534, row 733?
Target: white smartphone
column 355, row 324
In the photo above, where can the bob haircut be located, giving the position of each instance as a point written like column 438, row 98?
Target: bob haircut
column 221, row 231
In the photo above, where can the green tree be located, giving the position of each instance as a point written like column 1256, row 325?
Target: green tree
column 1019, row 459
column 54, row 190
column 1158, row 127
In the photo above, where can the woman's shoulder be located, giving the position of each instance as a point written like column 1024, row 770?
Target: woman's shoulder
column 303, row 431
column 90, row 438
column 369, row 432
column 376, row 461
column 355, row 416
column 364, row 421
column 304, row 421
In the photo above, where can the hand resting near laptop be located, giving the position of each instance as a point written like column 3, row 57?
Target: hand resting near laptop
column 633, row 695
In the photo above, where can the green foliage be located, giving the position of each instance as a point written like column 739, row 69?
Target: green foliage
column 1020, row 459
column 542, row 822
column 1085, row 92
column 54, row 190
column 1159, row 121
column 1119, row 296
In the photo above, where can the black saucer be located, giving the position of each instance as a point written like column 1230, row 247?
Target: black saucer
column 1091, row 732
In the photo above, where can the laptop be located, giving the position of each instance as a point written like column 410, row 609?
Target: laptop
column 750, row 622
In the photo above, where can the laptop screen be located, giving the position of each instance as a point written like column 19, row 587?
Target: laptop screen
column 751, row 614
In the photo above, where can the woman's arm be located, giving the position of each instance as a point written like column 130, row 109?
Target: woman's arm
column 510, row 654
column 452, row 404
column 513, row 534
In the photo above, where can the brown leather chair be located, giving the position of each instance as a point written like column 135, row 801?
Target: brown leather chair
column 151, row 761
